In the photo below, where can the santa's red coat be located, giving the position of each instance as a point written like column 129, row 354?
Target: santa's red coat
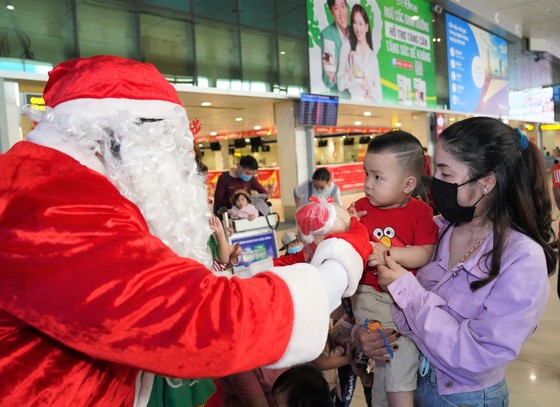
column 90, row 296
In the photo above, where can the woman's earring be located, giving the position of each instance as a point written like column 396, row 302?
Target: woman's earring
column 484, row 190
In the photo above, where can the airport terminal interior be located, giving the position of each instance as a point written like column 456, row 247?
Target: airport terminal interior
column 254, row 75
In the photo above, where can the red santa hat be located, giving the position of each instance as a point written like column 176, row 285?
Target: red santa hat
column 315, row 218
column 103, row 84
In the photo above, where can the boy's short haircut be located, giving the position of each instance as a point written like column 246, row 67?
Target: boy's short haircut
column 249, row 162
column 407, row 149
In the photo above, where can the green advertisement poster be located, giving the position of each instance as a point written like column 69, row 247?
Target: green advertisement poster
column 372, row 50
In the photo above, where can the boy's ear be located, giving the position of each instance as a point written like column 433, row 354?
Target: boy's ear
column 410, row 184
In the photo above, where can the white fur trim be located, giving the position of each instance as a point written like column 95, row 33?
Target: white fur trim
column 260, row 266
column 343, row 252
column 311, row 313
column 151, row 109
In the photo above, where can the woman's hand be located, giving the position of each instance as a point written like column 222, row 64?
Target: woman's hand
column 389, row 272
column 373, row 345
column 377, row 258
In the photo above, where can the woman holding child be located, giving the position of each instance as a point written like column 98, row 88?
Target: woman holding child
column 471, row 309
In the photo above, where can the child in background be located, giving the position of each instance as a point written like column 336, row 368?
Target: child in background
column 223, row 253
column 291, row 243
column 393, row 165
column 337, row 353
column 302, row 385
column 242, row 207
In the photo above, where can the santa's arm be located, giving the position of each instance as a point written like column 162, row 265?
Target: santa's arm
column 132, row 301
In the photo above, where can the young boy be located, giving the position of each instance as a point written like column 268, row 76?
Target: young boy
column 393, row 165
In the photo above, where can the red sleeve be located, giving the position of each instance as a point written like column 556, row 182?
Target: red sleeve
column 426, row 230
column 298, row 257
column 80, row 266
column 255, row 184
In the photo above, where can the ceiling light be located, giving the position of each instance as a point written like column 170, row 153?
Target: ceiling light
column 367, row 113
column 10, row 7
column 282, row 52
column 239, row 119
column 257, row 127
column 398, row 124
column 357, row 123
column 213, row 133
column 205, row 104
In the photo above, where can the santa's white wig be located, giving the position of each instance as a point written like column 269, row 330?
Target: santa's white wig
column 146, row 149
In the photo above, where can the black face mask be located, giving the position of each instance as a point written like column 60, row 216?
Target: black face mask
column 445, row 197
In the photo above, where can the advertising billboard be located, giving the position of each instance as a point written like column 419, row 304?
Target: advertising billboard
column 477, row 68
column 372, row 50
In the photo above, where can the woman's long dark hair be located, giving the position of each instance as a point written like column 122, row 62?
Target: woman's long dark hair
column 351, row 35
column 520, row 199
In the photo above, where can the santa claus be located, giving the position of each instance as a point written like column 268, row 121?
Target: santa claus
column 103, row 256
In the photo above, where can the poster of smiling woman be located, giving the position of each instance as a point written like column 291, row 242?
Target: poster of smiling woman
column 372, row 50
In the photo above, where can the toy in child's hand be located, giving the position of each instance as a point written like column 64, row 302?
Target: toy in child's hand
column 317, row 219
column 371, row 326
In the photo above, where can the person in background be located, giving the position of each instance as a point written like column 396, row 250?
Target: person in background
column 427, row 171
column 471, row 309
column 358, row 71
column 334, row 356
column 302, row 385
column 291, row 243
column 332, row 38
column 556, row 193
column 242, row 207
column 252, row 388
column 396, row 221
column 242, row 177
column 320, row 186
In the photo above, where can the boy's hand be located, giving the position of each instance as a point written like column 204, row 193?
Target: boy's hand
column 354, row 212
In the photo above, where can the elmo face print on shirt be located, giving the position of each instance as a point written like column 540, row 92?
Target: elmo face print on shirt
column 387, row 237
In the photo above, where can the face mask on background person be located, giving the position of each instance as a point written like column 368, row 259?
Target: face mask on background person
column 243, row 176
column 445, row 198
column 294, row 249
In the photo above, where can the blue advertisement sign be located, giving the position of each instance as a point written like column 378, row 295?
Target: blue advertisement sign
column 477, row 68
column 256, row 244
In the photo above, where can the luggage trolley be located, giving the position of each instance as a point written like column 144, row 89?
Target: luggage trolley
column 256, row 237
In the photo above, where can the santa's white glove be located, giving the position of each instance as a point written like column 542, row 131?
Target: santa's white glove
column 350, row 249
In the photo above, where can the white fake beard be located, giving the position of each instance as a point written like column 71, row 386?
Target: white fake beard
column 152, row 164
